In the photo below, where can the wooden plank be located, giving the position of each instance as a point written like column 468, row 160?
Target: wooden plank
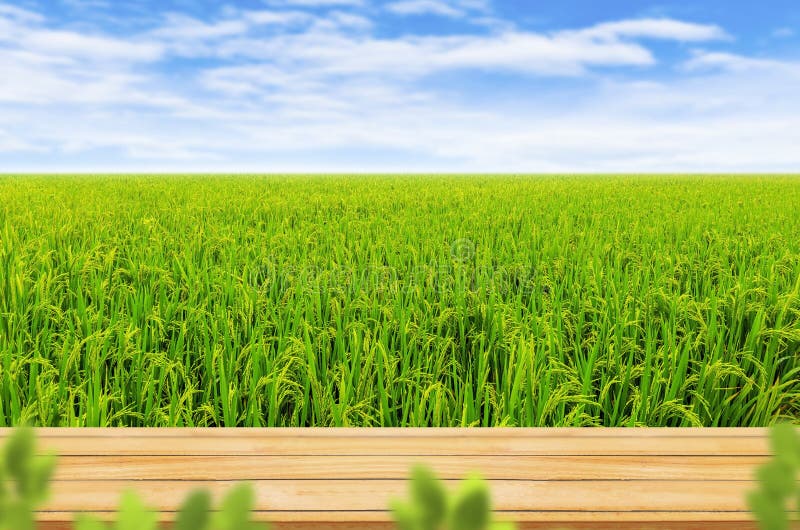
column 551, row 520
column 344, row 478
column 594, row 525
column 403, row 432
column 231, row 468
column 333, row 495
column 404, row 446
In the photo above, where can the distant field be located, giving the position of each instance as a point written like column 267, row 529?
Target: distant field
column 440, row 301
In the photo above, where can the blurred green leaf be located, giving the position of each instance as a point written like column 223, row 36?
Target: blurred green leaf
column 777, row 479
column 89, row 522
column 41, row 472
column 195, row 513
column 236, row 507
column 432, row 508
column 503, row 525
column 785, row 442
column 768, row 510
column 18, row 454
column 471, row 509
column 19, row 516
column 405, row 516
column 134, row 515
column 24, row 480
column 430, row 498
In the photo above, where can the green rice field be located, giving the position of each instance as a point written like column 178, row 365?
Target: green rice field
column 399, row 301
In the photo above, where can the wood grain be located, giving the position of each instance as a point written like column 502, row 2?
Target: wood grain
column 597, row 525
column 343, row 479
column 375, row 494
column 198, row 443
column 229, row 468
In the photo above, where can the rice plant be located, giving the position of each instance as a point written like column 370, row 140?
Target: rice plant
column 399, row 301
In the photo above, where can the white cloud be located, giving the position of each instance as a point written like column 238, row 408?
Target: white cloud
column 277, row 18
column 182, row 27
column 317, row 3
column 179, row 27
column 656, row 28
column 473, row 11
column 318, row 53
column 704, row 60
column 340, row 19
column 19, row 14
column 424, row 7
column 100, row 48
column 45, row 66
column 23, row 31
column 325, row 48
column 10, row 143
column 88, row 4
column 783, row 33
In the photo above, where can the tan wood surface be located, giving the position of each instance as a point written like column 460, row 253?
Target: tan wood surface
column 344, row 478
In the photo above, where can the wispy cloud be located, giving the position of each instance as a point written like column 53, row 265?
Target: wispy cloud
column 783, row 33
column 317, row 3
column 705, row 60
column 571, row 52
column 46, row 66
column 425, row 7
column 19, row 14
column 655, row 28
column 82, row 46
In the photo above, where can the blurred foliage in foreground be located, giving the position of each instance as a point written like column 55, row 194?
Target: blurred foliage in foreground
column 24, row 481
column 235, row 513
column 431, row 507
column 778, row 496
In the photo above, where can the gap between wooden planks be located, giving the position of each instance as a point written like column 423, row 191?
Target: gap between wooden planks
column 343, row 479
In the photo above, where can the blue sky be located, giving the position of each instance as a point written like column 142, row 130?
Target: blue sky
column 399, row 85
